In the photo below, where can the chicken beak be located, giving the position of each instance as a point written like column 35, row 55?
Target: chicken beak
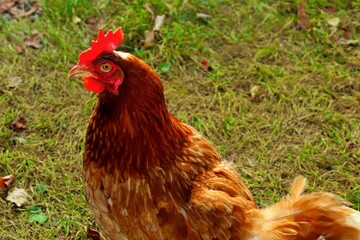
column 80, row 72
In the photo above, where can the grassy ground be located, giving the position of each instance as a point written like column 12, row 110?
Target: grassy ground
column 278, row 99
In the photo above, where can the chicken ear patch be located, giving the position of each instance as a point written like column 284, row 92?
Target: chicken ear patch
column 103, row 43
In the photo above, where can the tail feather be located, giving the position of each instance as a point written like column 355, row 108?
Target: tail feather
column 308, row 217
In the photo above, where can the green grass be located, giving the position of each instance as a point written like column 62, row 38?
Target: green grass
column 304, row 117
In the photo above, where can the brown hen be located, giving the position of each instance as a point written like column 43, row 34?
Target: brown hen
column 150, row 176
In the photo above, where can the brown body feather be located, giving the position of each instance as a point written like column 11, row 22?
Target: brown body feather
column 149, row 176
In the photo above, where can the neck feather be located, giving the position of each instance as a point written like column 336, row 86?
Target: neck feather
column 132, row 130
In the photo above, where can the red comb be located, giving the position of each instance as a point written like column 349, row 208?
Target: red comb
column 103, row 43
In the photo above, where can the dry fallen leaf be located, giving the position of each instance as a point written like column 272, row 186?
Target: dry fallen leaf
column 340, row 32
column 159, row 22
column 6, row 5
column 346, row 31
column 205, row 66
column 94, row 234
column 19, row 123
column 33, row 41
column 150, row 35
column 19, row 13
column 14, row 81
column 19, row 49
column 203, row 15
column 254, row 90
column 331, row 9
column 18, row 196
column 334, row 22
column 20, row 139
column 149, row 38
column 303, row 21
column 6, row 181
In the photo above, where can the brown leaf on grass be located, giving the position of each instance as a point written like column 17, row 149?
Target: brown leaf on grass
column 333, row 23
column 340, row 33
column 14, row 81
column 303, row 21
column 149, row 38
column 18, row 196
column 346, row 31
column 19, row 49
column 150, row 35
column 6, row 181
column 331, row 9
column 19, row 13
column 205, row 66
column 6, row 5
column 33, row 41
column 94, row 234
column 19, row 123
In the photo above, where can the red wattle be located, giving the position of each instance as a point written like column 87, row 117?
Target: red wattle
column 91, row 84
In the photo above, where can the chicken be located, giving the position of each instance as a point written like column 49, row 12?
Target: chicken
column 149, row 176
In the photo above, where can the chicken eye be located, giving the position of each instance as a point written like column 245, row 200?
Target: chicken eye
column 106, row 67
